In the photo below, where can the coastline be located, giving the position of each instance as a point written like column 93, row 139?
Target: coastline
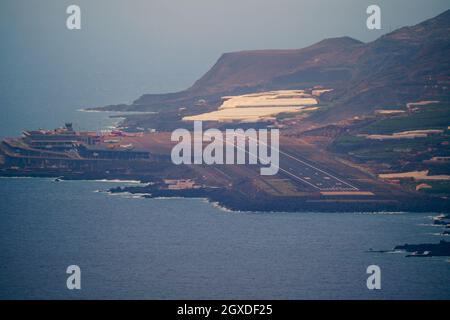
column 236, row 201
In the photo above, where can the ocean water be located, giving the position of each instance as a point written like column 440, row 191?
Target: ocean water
column 47, row 100
column 130, row 247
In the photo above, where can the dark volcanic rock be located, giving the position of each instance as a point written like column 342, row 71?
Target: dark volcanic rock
column 428, row 249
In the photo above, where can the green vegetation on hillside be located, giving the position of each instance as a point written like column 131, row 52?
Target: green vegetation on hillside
column 400, row 154
column 436, row 116
column 438, row 188
column 363, row 148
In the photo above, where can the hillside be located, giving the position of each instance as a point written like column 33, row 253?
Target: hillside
column 411, row 63
column 325, row 63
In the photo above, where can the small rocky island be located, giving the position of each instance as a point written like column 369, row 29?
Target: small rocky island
column 427, row 249
column 441, row 249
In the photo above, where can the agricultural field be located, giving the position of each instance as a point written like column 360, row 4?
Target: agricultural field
column 426, row 117
column 402, row 142
column 258, row 106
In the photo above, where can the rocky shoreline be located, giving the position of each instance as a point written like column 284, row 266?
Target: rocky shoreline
column 236, row 201
column 441, row 249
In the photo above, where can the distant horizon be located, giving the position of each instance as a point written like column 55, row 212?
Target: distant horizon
column 340, row 37
column 140, row 38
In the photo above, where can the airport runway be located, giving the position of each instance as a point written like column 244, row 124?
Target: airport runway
column 302, row 171
column 299, row 170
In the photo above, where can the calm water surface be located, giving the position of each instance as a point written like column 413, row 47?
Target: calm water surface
column 129, row 247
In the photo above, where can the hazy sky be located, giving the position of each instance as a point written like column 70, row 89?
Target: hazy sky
column 178, row 40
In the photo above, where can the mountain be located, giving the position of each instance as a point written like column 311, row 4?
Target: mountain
column 324, row 63
column 411, row 63
column 408, row 64
column 278, row 67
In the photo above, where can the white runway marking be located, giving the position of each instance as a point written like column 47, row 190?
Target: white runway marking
column 308, row 166
column 311, row 166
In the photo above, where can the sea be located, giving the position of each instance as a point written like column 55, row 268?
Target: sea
column 130, row 247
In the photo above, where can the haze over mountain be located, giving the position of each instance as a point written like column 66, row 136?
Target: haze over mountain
column 408, row 64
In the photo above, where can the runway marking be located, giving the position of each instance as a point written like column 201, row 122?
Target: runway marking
column 279, row 168
column 296, row 159
column 320, row 170
column 310, row 165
